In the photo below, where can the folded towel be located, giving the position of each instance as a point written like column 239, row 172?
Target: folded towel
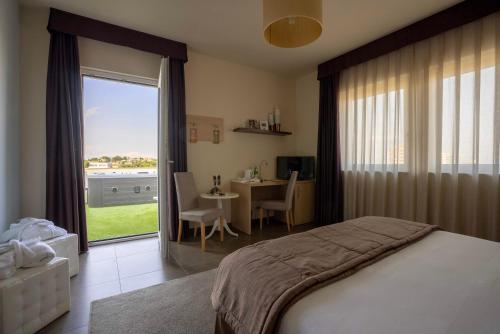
column 30, row 228
column 32, row 253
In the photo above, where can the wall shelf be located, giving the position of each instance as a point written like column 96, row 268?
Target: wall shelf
column 262, row 132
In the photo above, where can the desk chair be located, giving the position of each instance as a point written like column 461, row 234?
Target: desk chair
column 189, row 206
column 285, row 205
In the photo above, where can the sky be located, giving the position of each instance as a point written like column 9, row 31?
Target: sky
column 119, row 118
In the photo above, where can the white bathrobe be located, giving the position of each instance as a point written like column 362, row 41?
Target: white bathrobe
column 31, row 228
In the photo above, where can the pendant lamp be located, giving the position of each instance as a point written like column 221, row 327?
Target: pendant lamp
column 292, row 23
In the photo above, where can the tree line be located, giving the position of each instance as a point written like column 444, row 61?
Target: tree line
column 123, row 161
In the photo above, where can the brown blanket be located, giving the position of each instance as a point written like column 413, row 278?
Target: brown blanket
column 256, row 284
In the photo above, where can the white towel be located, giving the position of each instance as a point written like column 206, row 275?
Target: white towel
column 32, row 253
column 23, row 254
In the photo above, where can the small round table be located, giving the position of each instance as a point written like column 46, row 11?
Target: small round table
column 219, row 199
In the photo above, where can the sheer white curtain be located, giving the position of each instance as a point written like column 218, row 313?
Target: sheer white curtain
column 163, row 156
column 420, row 132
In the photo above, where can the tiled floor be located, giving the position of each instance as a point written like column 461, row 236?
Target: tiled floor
column 121, row 267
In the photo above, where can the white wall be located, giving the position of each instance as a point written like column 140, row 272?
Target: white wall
column 9, row 113
column 236, row 93
column 213, row 88
column 34, row 60
column 307, row 109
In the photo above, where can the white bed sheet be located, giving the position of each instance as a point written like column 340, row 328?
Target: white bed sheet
column 445, row 283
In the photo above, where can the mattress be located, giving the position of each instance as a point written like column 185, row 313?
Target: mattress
column 444, row 283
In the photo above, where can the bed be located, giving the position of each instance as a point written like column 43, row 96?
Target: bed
column 439, row 282
column 444, row 283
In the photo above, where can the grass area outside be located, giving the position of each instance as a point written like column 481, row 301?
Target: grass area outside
column 121, row 221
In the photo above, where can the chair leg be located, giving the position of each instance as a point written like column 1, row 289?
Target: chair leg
column 268, row 213
column 287, row 214
column 202, row 237
column 221, row 228
column 292, row 218
column 179, row 233
column 195, row 231
column 261, row 216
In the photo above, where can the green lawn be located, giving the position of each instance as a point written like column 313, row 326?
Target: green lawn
column 120, row 221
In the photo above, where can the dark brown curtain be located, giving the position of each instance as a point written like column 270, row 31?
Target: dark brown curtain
column 176, row 139
column 329, row 201
column 65, row 202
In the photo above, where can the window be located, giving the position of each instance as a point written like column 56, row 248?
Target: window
column 474, row 129
column 383, row 130
column 373, row 129
column 420, row 131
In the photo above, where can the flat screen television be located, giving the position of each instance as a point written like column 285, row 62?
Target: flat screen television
column 286, row 165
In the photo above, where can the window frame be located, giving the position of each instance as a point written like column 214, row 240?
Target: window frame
column 124, row 78
column 117, row 76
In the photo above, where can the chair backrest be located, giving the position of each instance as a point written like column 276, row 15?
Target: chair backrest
column 187, row 195
column 289, row 190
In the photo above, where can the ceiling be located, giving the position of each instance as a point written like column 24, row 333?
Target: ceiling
column 232, row 29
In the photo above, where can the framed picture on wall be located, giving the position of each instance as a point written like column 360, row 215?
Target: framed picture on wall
column 253, row 124
column 264, row 125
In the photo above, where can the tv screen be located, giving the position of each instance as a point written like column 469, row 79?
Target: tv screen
column 286, row 165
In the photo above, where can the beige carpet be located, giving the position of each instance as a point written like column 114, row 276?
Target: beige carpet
column 178, row 306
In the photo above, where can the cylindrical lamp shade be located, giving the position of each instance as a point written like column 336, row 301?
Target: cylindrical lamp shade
column 292, row 23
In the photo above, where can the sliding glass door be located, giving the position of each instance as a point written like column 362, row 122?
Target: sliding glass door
column 120, row 151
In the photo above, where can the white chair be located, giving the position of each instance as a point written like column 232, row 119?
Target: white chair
column 189, row 206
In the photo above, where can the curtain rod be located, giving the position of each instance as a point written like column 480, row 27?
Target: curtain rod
column 453, row 17
column 73, row 24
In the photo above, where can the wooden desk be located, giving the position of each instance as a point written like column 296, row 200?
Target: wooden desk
column 241, row 208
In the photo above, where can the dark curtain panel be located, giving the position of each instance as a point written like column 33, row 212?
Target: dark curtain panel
column 176, row 139
column 329, row 201
column 65, row 202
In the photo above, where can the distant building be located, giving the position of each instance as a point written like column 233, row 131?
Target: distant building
column 99, row 165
